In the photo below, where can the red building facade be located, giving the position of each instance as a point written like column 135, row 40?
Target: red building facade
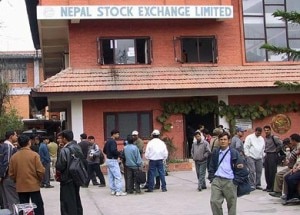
column 114, row 64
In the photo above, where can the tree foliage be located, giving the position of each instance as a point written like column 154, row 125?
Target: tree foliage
column 292, row 17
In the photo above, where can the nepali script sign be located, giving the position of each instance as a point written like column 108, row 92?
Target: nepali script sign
column 135, row 12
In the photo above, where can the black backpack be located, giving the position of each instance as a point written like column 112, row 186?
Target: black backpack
column 77, row 169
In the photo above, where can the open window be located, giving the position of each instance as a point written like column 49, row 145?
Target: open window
column 124, row 50
column 197, row 49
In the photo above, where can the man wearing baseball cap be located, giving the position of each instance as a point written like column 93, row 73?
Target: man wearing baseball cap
column 138, row 142
column 156, row 153
column 237, row 142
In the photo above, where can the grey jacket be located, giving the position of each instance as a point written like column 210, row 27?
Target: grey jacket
column 200, row 151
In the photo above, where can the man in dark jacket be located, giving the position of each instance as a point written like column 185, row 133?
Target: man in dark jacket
column 46, row 161
column 70, row 202
column 226, row 169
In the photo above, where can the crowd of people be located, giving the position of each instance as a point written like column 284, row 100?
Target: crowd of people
column 40, row 160
column 256, row 153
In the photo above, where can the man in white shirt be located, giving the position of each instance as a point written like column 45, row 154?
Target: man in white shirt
column 254, row 148
column 156, row 153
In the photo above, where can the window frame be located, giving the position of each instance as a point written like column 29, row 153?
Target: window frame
column 214, row 44
column 139, row 122
column 266, row 38
column 12, row 69
column 100, row 48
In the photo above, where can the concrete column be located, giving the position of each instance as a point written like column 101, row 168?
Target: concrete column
column 223, row 120
column 77, row 118
column 36, row 71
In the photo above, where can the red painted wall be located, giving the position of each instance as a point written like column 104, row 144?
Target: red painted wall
column 93, row 118
column 272, row 99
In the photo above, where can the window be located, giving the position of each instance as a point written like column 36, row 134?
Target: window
column 198, row 50
column 261, row 27
column 14, row 71
column 127, row 122
column 124, row 51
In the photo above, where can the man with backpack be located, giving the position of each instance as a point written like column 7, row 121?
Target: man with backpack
column 93, row 159
column 272, row 145
column 70, row 202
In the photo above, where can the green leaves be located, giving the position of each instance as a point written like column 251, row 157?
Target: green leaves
column 231, row 112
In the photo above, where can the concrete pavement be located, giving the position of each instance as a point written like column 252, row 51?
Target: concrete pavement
column 182, row 198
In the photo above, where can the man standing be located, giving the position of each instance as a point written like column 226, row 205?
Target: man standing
column 254, row 150
column 273, row 143
column 138, row 142
column 26, row 164
column 200, row 153
column 46, row 160
column 70, row 202
column 93, row 160
column 52, row 148
column 133, row 163
column 223, row 166
column 84, row 144
column 236, row 141
column 113, row 168
column 7, row 185
column 156, row 153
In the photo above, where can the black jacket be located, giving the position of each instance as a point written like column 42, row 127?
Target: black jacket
column 240, row 174
column 64, row 159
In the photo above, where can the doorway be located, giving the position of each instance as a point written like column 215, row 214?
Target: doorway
column 192, row 123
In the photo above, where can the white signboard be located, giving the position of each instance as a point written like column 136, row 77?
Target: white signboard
column 135, row 12
column 244, row 123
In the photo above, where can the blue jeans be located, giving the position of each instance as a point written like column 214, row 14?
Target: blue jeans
column 159, row 165
column 114, row 175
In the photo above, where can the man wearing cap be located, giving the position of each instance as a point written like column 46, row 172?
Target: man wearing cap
column 138, row 142
column 156, row 153
column 237, row 142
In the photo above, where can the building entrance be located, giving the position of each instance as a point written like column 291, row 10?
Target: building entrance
column 193, row 122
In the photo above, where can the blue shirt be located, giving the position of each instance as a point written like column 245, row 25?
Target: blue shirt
column 225, row 169
column 132, row 156
column 44, row 154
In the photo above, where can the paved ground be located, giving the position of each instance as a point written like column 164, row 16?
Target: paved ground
column 182, row 198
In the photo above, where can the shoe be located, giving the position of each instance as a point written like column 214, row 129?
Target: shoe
column 49, row 186
column 156, row 187
column 283, row 197
column 148, row 191
column 112, row 193
column 164, row 190
column 102, row 185
column 42, row 186
column 121, row 193
column 259, row 188
column 199, row 189
column 203, row 187
column 85, row 186
column 145, row 187
column 293, row 200
column 252, row 189
column 138, row 191
column 130, row 192
column 275, row 194
column 95, row 184
column 267, row 190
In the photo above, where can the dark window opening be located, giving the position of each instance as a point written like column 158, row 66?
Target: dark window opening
column 125, row 51
column 199, row 50
column 127, row 122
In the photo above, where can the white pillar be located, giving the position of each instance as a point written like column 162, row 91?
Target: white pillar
column 223, row 120
column 36, row 71
column 77, row 118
